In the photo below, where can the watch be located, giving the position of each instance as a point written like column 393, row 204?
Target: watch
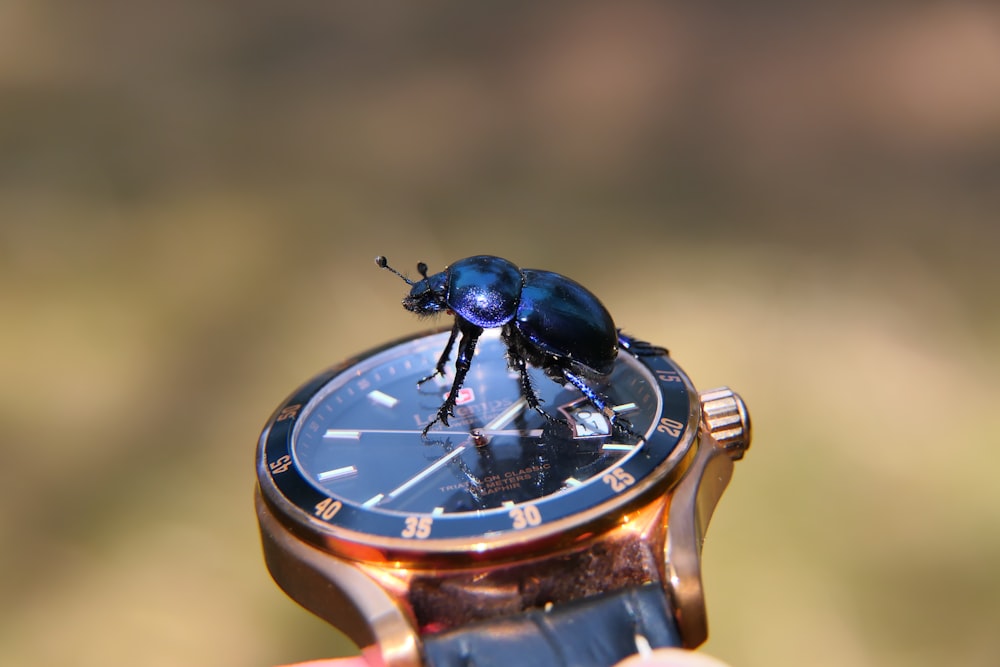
column 504, row 537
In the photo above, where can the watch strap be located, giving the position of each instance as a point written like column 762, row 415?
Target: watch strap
column 598, row 631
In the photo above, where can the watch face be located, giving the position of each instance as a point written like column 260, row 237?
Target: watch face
column 345, row 457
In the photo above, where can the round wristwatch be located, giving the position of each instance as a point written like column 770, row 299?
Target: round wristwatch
column 503, row 537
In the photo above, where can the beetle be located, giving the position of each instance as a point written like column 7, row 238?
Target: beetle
column 546, row 320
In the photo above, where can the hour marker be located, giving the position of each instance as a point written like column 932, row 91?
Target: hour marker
column 617, row 447
column 337, row 473
column 341, row 434
column 383, row 398
column 437, row 511
column 374, row 500
column 508, row 503
column 573, row 481
column 625, row 407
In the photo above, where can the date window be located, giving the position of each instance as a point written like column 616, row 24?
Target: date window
column 465, row 395
column 586, row 421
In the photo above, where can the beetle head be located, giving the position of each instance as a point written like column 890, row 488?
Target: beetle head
column 428, row 295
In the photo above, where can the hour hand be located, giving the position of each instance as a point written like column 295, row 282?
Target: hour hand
column 507, row 416
column 481, row 436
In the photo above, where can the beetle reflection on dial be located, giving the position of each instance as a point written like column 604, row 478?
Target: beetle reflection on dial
column 360, row 456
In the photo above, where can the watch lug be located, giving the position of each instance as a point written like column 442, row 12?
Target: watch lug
column 724, row 438
column 338, row 593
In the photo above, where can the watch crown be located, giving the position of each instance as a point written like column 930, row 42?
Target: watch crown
column 725, row 416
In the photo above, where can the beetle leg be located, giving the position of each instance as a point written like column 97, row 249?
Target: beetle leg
column 601, row 403
column 443, row 359
column 527, row 389
column 466, row 349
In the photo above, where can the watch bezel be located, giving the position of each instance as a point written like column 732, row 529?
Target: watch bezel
column 288, row 492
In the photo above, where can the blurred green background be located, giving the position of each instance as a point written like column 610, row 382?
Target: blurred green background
column 799, row 202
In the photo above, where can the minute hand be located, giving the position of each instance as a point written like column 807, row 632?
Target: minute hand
column 426, row 472
column 501, row 420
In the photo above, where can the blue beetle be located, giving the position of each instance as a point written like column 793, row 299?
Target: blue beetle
column 546, row 320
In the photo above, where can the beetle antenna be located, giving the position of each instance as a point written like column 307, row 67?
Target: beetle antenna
column 422, row 269
column 383, row 263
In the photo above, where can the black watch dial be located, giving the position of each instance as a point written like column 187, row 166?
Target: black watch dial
column 346, row 456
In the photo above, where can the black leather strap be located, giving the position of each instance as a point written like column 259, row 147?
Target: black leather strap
column 594, row 632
